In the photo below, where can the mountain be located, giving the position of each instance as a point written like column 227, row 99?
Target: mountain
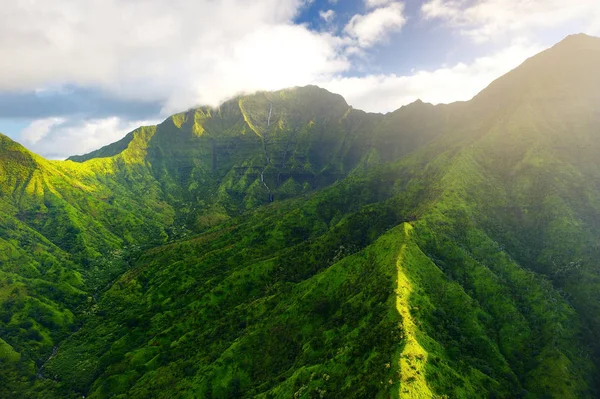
column 69, row 228
column 287, row 245
column 254, row 149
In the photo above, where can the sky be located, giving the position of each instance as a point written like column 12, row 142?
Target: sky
column 79, row 74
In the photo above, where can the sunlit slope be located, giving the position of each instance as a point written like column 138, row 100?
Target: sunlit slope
column 63, row 235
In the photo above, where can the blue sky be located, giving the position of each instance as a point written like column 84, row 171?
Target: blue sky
column 79, row 75
column 419, row 44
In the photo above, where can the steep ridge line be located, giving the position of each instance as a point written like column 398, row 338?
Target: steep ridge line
column 413, row 357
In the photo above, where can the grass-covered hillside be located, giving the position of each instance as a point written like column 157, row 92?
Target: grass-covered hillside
column 285, row 245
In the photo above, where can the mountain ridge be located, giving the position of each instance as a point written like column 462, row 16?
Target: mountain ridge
column 572, row 43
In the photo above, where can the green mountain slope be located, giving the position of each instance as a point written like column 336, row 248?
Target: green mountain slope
column 72, row 227
column 436, row 251
column 64, row 235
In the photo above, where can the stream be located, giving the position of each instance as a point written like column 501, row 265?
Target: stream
column 262, row 173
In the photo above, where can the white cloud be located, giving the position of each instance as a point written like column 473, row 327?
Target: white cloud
column 265, row 59
column 39, row 129
column 180, row 52
column 486, row 19
column 58, row 138
column 377, row 3
column 382, row 93
column 327, row 15
column 375, row 26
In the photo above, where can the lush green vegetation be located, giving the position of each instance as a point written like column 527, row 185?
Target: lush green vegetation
column 287, row 245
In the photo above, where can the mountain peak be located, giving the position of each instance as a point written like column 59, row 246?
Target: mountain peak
column 4, row 138
column 574, row 44
column 578, row 39
column 9, row 144
column 567, row 70
column 314, row 92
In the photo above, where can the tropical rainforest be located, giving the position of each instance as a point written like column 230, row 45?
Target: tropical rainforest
column 287, row 245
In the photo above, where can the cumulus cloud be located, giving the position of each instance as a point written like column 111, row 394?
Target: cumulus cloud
column 264, row 59
column 39, row 129
column 327, row 15
column 58, row 138
column 179, row 52
column 375, row 26
column 486, row 19
column 172, row 53
column 377, row 3
column 382, row 93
